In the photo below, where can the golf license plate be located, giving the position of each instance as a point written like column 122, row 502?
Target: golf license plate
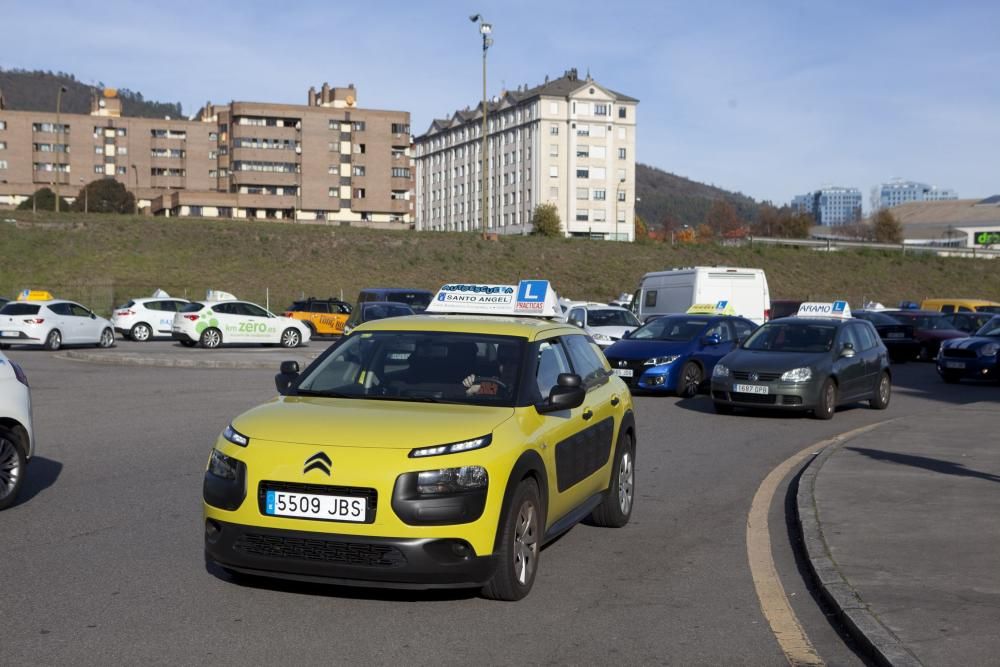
column 315, row 506
column 954, row 364
column 750, row 388
column 622, row 372
column 896, row 334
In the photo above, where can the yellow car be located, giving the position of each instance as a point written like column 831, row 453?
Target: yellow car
column 324, row 317
column 427, row 451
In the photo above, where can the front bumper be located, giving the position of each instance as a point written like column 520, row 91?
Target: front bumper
column 353, row 560
column 780, row 395
column 970, row 368
column 644, row 378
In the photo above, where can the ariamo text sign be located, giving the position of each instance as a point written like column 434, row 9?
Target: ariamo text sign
column 529, row 297
column 836, row 309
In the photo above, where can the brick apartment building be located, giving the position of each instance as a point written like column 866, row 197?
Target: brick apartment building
column 328, row 160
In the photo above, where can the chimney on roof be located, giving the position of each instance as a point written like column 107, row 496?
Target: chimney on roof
column 325, row 94
column 312, row 96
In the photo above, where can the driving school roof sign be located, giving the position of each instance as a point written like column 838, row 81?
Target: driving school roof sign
column 837, row 309
column 529, row 297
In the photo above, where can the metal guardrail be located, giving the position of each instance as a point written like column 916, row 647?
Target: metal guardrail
column 831, row 245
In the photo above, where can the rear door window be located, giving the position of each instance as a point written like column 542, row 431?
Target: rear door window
column 61, row 309
column 866, row 335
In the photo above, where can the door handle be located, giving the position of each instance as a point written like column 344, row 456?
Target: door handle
column 587, row 413
column 615, row 401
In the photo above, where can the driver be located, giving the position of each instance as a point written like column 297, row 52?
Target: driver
column 500, row 382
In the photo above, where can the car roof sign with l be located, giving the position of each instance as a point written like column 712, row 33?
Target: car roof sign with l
column 534, row 298
column 839, row 310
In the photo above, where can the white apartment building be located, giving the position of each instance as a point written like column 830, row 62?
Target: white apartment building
column 898, row 191
column 569, row 142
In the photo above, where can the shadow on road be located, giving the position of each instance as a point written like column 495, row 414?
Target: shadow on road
column 926, row 463
column 40, row 474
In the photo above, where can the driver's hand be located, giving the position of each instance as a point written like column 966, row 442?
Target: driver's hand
column 470, row 384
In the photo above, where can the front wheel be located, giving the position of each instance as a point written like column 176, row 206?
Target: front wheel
column 290, row 338
column 880, row 401
column 827, row 401
column 54, row 340
column 690, row 380
column 12, row 463
column 520, row 544
column 616, row 508
column 211, row 338
column 107, row 339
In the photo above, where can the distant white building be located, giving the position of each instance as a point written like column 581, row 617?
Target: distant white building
column 569, row 142
column 898, row 191
column 830, row 206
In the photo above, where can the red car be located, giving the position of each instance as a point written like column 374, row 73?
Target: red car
column 930, row 329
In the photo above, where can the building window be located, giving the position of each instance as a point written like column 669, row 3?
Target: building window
column 583, row 130
column 583, row 173
column 332, row 192
column 553, row 172
column 213, row 173
column 3, row 164
column 213, row 155
column 333, row 169
column 48, row 127
column 400, row 128
column 359, row 148
column 621, row 175
column 398, row 152
column 123, row 150
column 600, row 194
column 333, row 124
column 358, row 126
column 553, row 107
column 600, row 215
column 99, row 169
column 582, row 193
column 621, row 195
column 598, row 173
column 400, row 194
column 621, row 112
column 213, row 136
column 359, row 193
column 333, row 146
column 621, row 153
column 602, row 110
column 3, row 125
column 358, row 170
column 3, row 145
column 582, row 215
column 554, row 130
column 583, row 151
column 400, row 172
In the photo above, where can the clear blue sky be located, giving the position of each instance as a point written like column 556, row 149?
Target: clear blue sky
column 768, row 98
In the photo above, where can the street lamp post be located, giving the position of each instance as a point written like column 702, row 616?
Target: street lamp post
column 484, row 29
column 58, row 128
column 86, row 196
column 135, row 195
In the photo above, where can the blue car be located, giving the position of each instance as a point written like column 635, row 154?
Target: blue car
column 676, row 353
column 975, row 357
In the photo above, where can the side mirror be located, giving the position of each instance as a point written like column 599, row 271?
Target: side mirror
column 283, row 380
column 710, row 340
column 93, row 316
column 566, row 395
column 627, row 334
column 847, row 351
column 576, row 323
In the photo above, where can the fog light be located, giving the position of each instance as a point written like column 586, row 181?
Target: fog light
column 656, row 380
column 212, row 530
column 461, row 549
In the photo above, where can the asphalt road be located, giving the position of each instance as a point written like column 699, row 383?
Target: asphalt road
column 102, row 557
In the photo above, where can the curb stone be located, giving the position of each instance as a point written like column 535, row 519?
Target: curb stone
column 851, row 610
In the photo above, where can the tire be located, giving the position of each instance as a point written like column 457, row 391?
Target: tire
column 12, row 464
column 723, row 408
column 616, row 508
column 53, row 341
column 188, row 343
column 107, row 339
column 211, row 338
column 827, row 401
column 883, row 393
column 140, row 333
column 924, row 354
column 290, row 337
column 519, row 545
column 690, row 380
column 951, row 377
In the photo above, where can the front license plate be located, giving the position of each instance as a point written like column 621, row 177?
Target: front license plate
column 750, row 389
column 315, row 506
column 8, row 334
column 954, row 364
column 896, row 334
column 622, row 372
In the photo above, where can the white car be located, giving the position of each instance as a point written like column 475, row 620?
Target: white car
column 17, row 440
column 142, row 319
column 605, row 324
column 52, row 324
column 214, row 323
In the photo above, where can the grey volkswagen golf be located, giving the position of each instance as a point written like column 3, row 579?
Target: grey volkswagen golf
column 813, row 362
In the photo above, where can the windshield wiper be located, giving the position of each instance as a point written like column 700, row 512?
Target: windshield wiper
column 325, row 394
column 408, row 399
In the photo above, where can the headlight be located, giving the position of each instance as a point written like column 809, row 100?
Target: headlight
column 453, row 448
column 604, row 338
column 989, row 350
column 660, row 361
column 451, row 480
column 720, row 371
column 235, row 437
column 221, row 465
column 797, row 375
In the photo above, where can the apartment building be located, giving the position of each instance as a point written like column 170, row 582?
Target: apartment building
column 898, row 191
column 328, row 160
column 569, row 141
column 830, row 206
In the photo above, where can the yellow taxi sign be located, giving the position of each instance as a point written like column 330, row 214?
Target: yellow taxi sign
column 34, row 295
column 836, row 309
column 719, row 308
column 534, row 298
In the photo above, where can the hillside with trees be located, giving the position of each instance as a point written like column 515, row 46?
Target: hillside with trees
column 36, row 90
column 668, row 202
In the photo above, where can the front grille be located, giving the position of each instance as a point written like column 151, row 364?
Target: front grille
column 761, row 377
column 370, row 495
column 958, row 353
column 638, row 368
column 321, row 550
column 757, row 399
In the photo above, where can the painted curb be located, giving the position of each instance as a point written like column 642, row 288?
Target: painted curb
column 128, row 359
column 863, row 625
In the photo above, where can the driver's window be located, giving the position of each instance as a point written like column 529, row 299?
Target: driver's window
column 78, row 311
column 847, row 335
column 254, row 311
column 551, row 362
column 721, row 330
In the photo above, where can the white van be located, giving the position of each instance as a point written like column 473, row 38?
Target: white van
column 676, row 290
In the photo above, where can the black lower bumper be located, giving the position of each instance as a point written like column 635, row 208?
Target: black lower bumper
column 351, row 560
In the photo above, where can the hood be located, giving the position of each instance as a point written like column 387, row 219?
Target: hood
column 614, row 331
column 345, row 422
column 969, row 342
column 773, row 362
column 632, row 350
column 942, row 334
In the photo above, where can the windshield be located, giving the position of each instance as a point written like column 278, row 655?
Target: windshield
column 924, row 321
column 612, row 317
column 988, row 309
column 991, row 328
column 792, row 337
column 420, row 366
column 670, row 328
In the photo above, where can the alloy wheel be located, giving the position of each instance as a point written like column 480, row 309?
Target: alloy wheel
column 626, row 482
column 525, row 543
column 10, row 467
